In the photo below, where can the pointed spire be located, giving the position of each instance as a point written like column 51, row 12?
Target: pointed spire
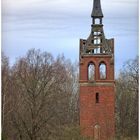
column 97, row 10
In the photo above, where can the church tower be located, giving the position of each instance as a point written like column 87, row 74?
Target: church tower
column 97, row 85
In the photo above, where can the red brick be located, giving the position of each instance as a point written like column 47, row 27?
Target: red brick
column 102, row 113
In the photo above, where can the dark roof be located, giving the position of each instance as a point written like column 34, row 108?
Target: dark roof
column 97, row 10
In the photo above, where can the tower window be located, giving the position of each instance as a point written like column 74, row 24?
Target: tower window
column 96, row 33
column 97, row 97
column 102, row 71
column 97, row 50
column 97, row 40
column 97, row 21
column 91, row 71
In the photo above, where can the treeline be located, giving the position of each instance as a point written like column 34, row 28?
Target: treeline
column 40, row 99
column 127, row 100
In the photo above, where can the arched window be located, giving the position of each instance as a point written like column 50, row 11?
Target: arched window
column 91, row 71
column 102, row 69
column 97, row 132
column 97, row 97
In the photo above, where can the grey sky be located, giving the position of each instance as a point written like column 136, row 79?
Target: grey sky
column 57, row 25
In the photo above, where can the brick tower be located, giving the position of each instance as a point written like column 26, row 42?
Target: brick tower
column 97, row 86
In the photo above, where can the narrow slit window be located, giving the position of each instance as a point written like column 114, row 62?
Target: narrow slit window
column 102, row 71
column 91, row 72
column 97, row 97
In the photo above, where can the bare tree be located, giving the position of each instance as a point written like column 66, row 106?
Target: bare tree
column 44, row 96
column 127, row 99
column 6, row 97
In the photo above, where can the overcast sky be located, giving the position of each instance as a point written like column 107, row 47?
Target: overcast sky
column 57, row 25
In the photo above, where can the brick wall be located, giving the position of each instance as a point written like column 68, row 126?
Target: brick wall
column 102, row 113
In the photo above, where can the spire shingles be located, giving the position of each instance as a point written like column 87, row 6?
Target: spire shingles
column 97, row 10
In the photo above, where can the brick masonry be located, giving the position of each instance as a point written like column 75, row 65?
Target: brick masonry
column 100, row 114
